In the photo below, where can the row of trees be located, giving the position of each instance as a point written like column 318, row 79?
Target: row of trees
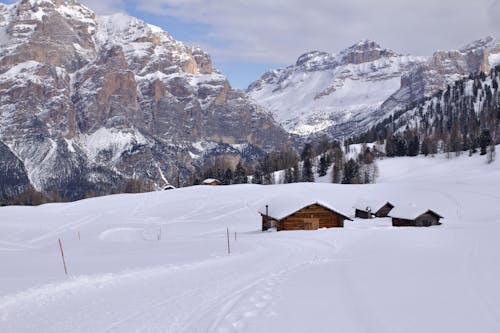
column 286, row 166
column 465, row 117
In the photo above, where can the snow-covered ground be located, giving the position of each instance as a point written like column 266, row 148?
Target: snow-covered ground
column 158, row 262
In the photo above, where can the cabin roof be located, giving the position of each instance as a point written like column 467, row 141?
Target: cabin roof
column 210, row 180
column 284, row 207
column 411, row 212
column 374, row 205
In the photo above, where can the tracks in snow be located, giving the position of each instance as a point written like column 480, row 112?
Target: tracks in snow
column 219, row 295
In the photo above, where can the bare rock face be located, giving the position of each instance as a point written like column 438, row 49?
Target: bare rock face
column 365, row 51
column 89, row 102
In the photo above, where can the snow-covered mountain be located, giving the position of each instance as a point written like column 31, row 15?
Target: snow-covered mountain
column 88, row 102
column 342, row 94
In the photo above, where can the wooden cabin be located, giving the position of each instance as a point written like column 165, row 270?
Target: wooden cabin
column 311, row 216
column 211, row 182
column 414, row 217
column 369, row 209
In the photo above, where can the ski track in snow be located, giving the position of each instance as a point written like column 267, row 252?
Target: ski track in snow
column 361, row 278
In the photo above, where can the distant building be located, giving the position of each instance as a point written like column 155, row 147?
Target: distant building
column 365, row 209
column 169, row 187
column 211, row 182
column 304, row 216
column 414, row 217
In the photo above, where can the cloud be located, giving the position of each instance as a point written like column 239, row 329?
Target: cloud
column 105, row 6
column 495, row 15
column 280, row 30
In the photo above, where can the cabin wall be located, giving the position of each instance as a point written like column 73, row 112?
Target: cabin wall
column 425, row 220
column 402, row 222
column 327, row 219
column 363, row 214
column 268, row 223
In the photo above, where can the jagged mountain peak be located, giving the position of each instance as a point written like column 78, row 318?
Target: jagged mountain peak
column 312, row 56
column 365, row 51
column 482, row 43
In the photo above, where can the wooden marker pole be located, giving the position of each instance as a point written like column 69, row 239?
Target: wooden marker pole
column 228, row 247
column 79, row 238
column 235, row 236
column 62, row 255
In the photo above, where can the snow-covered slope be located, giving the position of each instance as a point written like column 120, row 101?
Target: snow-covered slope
column 322, row 90
column 344, row 94
column 158, row 262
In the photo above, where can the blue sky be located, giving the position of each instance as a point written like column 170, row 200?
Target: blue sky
column 248, row 37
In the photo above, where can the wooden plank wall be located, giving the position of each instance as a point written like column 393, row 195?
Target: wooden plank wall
column 327, row 218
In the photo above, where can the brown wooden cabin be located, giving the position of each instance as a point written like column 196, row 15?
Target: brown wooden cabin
column 423, row 219
column 211, row 182
column 311, row 217
column 368, row 210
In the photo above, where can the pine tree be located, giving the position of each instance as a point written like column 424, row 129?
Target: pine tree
column 338, row 165
column 307, row 167
column 240, row 174
column 324, row 164
column 228, row 177
column 484, row 141
column 307, row 171
column 351, row 172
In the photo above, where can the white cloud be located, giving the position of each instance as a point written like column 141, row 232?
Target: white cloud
column 280, row 30
column 495, row 14
column 105, row 6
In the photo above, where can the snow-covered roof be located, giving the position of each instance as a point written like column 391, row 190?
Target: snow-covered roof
column 410, row 212
column 283, row 207
column 210, row 181
column 371, row 205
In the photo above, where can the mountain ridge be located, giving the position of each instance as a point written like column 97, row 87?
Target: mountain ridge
column 344, row 94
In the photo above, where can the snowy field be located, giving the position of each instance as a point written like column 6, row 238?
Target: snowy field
column 158, row 262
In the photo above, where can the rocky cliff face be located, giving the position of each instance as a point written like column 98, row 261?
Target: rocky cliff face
column 13, row 176
column 87, row 102
column 344, row 94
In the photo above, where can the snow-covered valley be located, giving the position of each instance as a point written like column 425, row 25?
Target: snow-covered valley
column 158, row 262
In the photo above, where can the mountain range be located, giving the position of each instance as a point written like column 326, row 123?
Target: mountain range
column 344, row 94
column 89, row 103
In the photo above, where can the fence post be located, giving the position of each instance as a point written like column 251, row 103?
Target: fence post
column 228, row 246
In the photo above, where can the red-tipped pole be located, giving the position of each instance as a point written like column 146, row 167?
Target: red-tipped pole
column 62, row 255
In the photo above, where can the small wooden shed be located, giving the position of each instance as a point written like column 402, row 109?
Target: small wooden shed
column 310, row 216
column 367, row 209
column 414, row 217
column 211, row 182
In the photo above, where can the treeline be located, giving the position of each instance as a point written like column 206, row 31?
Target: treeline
column 465, row 117
column 30, row 197
column 288, row 166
